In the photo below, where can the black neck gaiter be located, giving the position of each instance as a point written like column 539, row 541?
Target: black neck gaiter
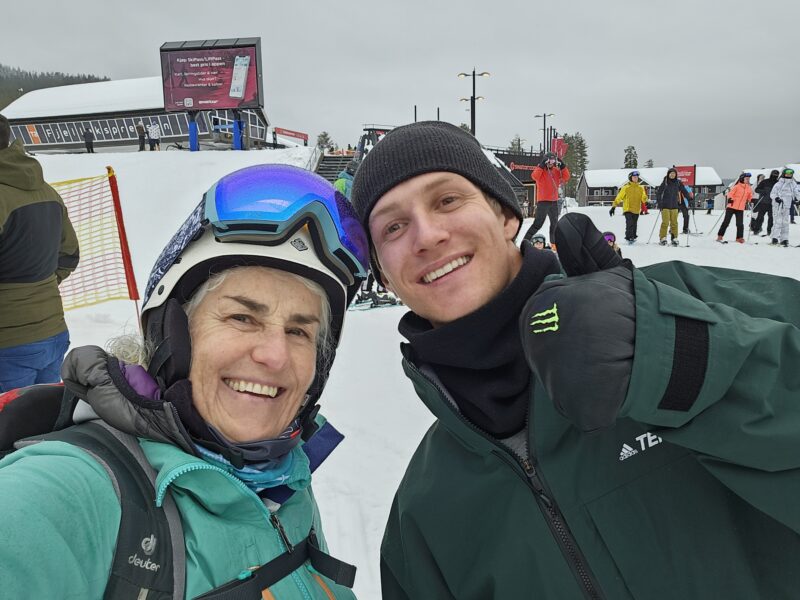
column 479, row 358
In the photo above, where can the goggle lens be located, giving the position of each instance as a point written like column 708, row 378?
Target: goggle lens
column 272, row 201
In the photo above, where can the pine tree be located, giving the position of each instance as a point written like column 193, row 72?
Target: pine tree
column 324, row 141
column 649, row 163
column 631, row 158
column 466, row 128
column 516, row 144
column 576, row 159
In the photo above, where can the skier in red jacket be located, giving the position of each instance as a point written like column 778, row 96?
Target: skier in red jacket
column 548, row 175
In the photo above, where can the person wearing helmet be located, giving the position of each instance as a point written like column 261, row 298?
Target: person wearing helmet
column 784, row 194
column 633, row 198
column 549, row 175
column 611, row 239
column 539, row 242
column 242, row 315
column 738, row 196
column 764, row 204
column 344, row 181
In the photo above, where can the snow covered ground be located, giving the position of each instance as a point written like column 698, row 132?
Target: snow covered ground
column 368, row 398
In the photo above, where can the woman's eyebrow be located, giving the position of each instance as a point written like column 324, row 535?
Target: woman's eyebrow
column 261, row 308
column 249, row 303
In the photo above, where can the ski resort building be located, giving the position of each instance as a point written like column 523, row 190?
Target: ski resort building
column 600, row 186
column 54, row 119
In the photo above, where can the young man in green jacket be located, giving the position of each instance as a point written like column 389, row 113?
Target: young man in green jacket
column 618, row 433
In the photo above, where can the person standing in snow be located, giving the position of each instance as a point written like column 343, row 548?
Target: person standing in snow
column 763, row 205
column 784, row 194
column 88, row 140
column 738, row 196
column 344, row 181
column 657, row 472
column 141, row 132
column 154, row 136
column 548, row 175
column 687, row 198
column 669, row 197
column 38, row 250
column 240, row 334
column 633, row 198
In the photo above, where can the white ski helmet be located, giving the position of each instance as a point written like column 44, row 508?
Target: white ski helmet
column 276, row 216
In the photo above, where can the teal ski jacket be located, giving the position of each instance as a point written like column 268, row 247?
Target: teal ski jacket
column 60, row 517
column 665, row 504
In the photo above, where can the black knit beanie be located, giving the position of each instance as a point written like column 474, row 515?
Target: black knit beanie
column 426, row 147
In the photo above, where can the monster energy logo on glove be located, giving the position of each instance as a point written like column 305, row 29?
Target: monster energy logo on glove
column 544, row 321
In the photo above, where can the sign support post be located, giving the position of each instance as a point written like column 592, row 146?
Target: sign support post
column 194, row 145
column 237, row 131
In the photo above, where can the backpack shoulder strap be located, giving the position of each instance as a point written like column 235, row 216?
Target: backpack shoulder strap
column 149, row 558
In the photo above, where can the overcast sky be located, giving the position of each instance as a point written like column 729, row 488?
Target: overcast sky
column 683, row 81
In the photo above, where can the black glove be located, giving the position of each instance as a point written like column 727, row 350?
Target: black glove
column 581, row 247
column 561, row 164
column 612, row 211
column 543, row 164
column 778, row 200
column 578, row 336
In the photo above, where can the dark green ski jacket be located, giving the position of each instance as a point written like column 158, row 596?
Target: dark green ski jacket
column 697, row 503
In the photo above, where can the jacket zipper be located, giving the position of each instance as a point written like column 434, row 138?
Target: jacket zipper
column 547, row 505
column 273, row 517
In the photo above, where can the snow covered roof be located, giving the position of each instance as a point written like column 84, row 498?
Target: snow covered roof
column 123, row 95
column 597, row 178
column 82, row 99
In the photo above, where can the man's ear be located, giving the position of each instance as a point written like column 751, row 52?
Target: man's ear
column 511, row 223
column 375, row 264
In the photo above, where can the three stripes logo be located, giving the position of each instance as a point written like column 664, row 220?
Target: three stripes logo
column 626, row 452
column 545, row 321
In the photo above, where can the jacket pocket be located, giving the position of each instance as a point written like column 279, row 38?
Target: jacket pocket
column 677, row 532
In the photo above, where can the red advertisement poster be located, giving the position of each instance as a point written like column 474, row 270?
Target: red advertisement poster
column 289, row 133
column 687, row 174
column 210, row 78
column 559, row 147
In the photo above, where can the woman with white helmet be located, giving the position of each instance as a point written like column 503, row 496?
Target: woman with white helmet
column 243, row 312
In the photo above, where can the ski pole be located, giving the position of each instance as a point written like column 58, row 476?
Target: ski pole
column 714, row 226
column 656, row 222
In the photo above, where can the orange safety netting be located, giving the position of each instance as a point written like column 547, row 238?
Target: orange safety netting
column 102, row 273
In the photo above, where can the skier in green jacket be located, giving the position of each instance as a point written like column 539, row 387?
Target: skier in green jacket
column 614, row 433
column 241, row 327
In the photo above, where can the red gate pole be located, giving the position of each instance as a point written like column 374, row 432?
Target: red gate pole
column 130, row 279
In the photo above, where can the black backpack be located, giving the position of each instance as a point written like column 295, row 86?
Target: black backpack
column 149, row 557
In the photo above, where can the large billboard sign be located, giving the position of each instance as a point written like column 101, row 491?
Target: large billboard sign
column 687, row 174
column 212, row 74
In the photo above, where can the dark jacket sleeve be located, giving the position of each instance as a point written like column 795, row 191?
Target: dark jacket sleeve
column 730, row 385
column 68, row 254
column 659, row 195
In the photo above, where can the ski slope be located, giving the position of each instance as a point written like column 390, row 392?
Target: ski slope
column 368, row 397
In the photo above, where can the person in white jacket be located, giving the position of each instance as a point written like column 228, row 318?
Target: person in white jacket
column 785, row 192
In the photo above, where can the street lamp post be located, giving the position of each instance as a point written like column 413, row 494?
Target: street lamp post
column 544, row 128
column 473, row 98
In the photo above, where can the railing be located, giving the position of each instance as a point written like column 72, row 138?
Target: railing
column 313, row 161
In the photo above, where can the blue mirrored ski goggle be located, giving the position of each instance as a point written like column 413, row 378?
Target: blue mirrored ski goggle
column 266, row 204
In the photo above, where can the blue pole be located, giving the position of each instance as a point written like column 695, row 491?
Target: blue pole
column 194, row 144
column 237, row 131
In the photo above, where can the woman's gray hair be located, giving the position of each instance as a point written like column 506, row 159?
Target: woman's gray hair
column 134, row 349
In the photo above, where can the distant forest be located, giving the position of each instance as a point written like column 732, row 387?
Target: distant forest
column 12, row 80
